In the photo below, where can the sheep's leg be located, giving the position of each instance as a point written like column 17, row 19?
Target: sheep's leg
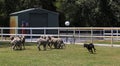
column 62, row 45
column 24, row 43
column 58, row 46
column 49, row 45
column 13, row 47
column 38, row 46
column 55, row 45
column 17, row 47
column 20, row 47
column 44, row 46
column 23, row 46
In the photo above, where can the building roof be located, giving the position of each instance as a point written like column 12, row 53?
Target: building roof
column 31, row 9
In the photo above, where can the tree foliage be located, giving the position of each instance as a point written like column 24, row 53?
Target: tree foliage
column 92, row 12
column 80, row 13
column 10, row 6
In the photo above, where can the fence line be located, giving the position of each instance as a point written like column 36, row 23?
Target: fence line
column 66, row 32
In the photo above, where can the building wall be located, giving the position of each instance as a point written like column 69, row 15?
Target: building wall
column 38, row 18
column 53, row 20
column 13, row 23
column 23, row 18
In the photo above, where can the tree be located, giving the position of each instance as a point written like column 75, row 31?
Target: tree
column 79, row 12
column 10, row 6
column 48, row 4
column 97, row 13
column 107, row 14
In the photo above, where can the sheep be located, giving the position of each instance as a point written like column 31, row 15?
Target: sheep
column 16, row 42
column 12, row 37
column 57, row 42
column 42, row 41
column 22, row 41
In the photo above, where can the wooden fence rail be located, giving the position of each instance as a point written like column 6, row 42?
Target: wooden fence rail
column 65, row 32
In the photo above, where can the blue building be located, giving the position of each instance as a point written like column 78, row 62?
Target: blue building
column 34, row 17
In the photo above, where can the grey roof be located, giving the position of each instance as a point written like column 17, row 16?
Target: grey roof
column 31, row 10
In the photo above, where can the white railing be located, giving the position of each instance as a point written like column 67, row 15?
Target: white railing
column 65, row 32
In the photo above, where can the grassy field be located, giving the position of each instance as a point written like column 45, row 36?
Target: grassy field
column 104, row 42
column 72, row 55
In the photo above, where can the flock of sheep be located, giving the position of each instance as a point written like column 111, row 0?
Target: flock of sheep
column 18, row 42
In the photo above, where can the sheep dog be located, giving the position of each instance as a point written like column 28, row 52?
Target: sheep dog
column 90, row 47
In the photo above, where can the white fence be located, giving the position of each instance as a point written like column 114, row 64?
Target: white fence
column 69, row 34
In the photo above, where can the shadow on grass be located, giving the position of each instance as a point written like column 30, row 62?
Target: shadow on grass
column 7, row 44
column 4, row 44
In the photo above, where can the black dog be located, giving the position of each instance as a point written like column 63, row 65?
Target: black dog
column 90, row 47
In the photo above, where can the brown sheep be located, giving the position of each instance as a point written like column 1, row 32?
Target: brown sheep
column 16, row 42
column 22, row 41
column 42, row 41
column 57, row 42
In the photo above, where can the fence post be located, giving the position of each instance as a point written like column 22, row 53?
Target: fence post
column 31, row 34
column 1, row 34
column 44, row 31
column 111, row 37
column 91, row 35
column 79, row 35
column 16, row 31
column 117, row 34
column 74, row 35
column 58, row 32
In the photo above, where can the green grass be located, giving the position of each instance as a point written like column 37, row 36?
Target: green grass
column 72, row 55
column 104, row 42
